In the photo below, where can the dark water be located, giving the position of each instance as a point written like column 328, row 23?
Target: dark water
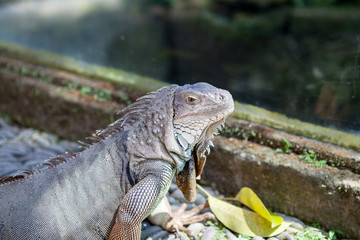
column 278, row 58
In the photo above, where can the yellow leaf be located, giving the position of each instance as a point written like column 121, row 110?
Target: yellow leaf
column 244, row 221
column 252, row 201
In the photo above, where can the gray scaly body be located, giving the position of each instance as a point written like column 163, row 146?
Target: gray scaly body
column 106, row 190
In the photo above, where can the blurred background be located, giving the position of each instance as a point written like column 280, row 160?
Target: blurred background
column 296, row 57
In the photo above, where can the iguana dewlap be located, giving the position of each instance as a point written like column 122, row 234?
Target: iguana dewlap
column 106, row 190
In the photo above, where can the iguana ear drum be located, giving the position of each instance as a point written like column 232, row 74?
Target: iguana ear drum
column 186, row 180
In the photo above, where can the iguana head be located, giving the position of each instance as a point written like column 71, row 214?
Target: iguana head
column 175, row 124
column 199, row 112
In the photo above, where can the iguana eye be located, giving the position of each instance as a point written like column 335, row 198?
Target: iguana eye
column 191, row 99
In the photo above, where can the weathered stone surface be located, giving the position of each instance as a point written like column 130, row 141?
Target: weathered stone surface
column 286, row 184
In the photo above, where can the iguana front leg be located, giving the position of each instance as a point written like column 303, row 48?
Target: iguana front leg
column 142, row 198
column 163, row 216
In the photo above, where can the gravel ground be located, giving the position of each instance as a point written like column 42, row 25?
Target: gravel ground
column 25, row 148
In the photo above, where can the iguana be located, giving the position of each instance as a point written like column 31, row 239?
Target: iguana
column 106, row 190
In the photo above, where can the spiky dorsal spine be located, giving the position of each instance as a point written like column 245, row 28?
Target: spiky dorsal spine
column 128, row 115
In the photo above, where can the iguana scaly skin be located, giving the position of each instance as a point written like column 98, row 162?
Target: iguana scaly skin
column 106, row 190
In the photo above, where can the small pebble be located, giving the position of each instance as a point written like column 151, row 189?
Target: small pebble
column 32, row 165
column 3, row 140
column 9, row 172
column 173, row 187
column 285, row 236
column 7, row 133
column 57, row 149
column 182, row 236
column 258, row 238
column 145, row 224
column 176, row 206
column 171, row 237
column 178, row 195
column 41, row 140
column 7, row 158
column 291, row 219
column 298, row 226
column 292, row 230
column 230, row 235
column 148, row 232
column 172, row 200
column 211, row 192
column 196, row 228
column 209, row 233
column 3, row 123
column 159, row 235
column 24, row 135
column 200, row 199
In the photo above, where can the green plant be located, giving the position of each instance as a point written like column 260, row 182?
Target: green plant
column 310, row 234
column 286, row 148
column 310, row 156
column 5, row 117
column 72, row 86
column 320, row 163
column 242, row 236
column 236, row 132
column 125, row 99
column 24, row 71
column 36, row 91
column 302, row 3
column 47, row 79
column 85, row 90
column 333, row 234
column 102, row 95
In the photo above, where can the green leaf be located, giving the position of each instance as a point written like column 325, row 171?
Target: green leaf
column 331, row 234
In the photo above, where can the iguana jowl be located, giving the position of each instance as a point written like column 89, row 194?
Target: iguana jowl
column 106, row 190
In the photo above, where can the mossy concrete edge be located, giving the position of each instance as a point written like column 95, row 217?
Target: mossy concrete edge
column 115, row 76
column 279, row 121
column 145, row 84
